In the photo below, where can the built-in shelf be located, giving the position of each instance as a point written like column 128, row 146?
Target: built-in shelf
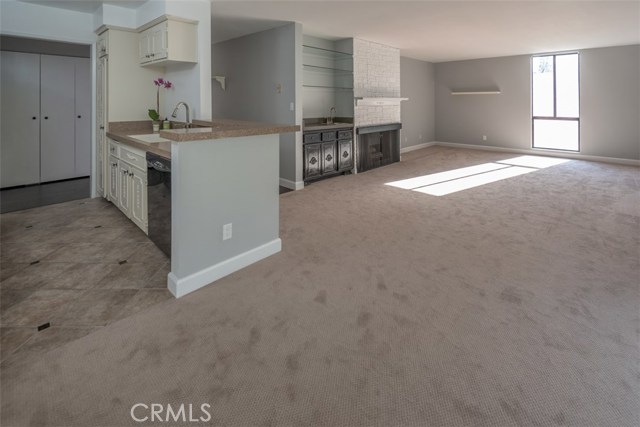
column 327, row 53
column 476, row 92
column 329, row 87
column 321, row 69
column 379, row 101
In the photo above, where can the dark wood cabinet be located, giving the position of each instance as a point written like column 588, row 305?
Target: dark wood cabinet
column 327, row 153
column 312, row 161
column 345, row 154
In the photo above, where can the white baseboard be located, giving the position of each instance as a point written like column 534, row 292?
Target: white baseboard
column 292, row 185
column 182, row 286
column 417, row 147
column 533, row 152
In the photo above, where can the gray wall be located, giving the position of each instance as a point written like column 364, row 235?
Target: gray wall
column 22, row 44
column 253, row 65
column 417, row 82
column 609, row 102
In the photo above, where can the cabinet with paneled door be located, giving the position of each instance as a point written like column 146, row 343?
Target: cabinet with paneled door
column 128, row 182
column 169, row 41
column 327, row 153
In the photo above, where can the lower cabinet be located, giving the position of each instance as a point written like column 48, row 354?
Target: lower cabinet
column 327, row 153
column 128, row 182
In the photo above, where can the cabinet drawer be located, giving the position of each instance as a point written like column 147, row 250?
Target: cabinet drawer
column 345, row 134
column 135, row 159
column 311, row 137
column 329, row 136
column 114, row 148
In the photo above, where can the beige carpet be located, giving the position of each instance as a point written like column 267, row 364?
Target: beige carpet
column 513, row 303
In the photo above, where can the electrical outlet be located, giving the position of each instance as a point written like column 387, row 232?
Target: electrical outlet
column 279, row 88
column 227, row 231
column 484, row 137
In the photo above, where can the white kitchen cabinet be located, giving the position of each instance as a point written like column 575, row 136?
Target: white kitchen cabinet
column 114, row 180
column 20, row 112
column 102, row 45
column 101, row 125
column 169, row 41
column 128, row 182
column 138, row 183
column 124, row 198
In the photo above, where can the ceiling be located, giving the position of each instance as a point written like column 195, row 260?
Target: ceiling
column 435, row 31
column 86, row 6
column 439, row 31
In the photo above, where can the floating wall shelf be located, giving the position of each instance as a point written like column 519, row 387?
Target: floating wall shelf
column 476, row 92
column 379, row 101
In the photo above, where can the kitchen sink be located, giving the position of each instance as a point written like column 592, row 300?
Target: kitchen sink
column 149, row 138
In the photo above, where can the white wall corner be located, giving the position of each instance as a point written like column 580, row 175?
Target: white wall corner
column 180, row 287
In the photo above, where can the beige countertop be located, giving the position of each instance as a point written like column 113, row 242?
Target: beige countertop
column 160, row 148
column 125, row 132
column 225, row 128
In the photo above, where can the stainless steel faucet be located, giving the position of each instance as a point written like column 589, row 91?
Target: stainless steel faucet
column 332, row 112
column 186, row 107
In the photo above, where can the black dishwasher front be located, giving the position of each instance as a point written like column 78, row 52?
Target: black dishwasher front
column 159, row 201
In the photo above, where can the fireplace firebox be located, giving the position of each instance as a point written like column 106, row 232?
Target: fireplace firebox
column 378, row 146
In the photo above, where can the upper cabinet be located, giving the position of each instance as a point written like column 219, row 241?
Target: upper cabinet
column 102, row 45
column 169, row 41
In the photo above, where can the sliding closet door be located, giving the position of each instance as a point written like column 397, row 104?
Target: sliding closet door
column 83, row 117
column 57, row 109
column 20, row 111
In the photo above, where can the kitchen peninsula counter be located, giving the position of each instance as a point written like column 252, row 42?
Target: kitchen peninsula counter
column 225, row 128
column 125, row 132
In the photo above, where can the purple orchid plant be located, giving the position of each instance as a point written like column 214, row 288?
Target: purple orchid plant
column 160, row 83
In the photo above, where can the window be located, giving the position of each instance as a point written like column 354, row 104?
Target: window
column 556, row 102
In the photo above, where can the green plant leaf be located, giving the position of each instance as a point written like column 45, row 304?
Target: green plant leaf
column 153, row 114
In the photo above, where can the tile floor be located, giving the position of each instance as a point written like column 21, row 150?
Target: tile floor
column 78, row 266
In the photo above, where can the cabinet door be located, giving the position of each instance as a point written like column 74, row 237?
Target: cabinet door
column 102, row 45
column 312, row 160
column 124, row 198
column 99, row 177
column 139, row 198
column 57, row 124
column 114, row 180
column 345, row 155
column 101, row 123
column 329, row 163
column 145, row 45
column 83, row 117
column 20, row 112
column 159, row 36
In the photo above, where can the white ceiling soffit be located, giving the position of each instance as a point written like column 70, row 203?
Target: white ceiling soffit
column 86, row 6
column 440, row 31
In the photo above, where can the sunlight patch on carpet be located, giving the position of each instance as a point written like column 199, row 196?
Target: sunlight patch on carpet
column 443, row 183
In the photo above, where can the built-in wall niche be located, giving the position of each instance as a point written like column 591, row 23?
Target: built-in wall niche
column 327, row 77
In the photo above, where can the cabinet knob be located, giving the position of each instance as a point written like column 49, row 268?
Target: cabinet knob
column 46, row 117
column 345, row 154
column 153, row 54
column 79, row 117
column 329, row 157
column 313, row 161
column 33, row 118
column 101, row 127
